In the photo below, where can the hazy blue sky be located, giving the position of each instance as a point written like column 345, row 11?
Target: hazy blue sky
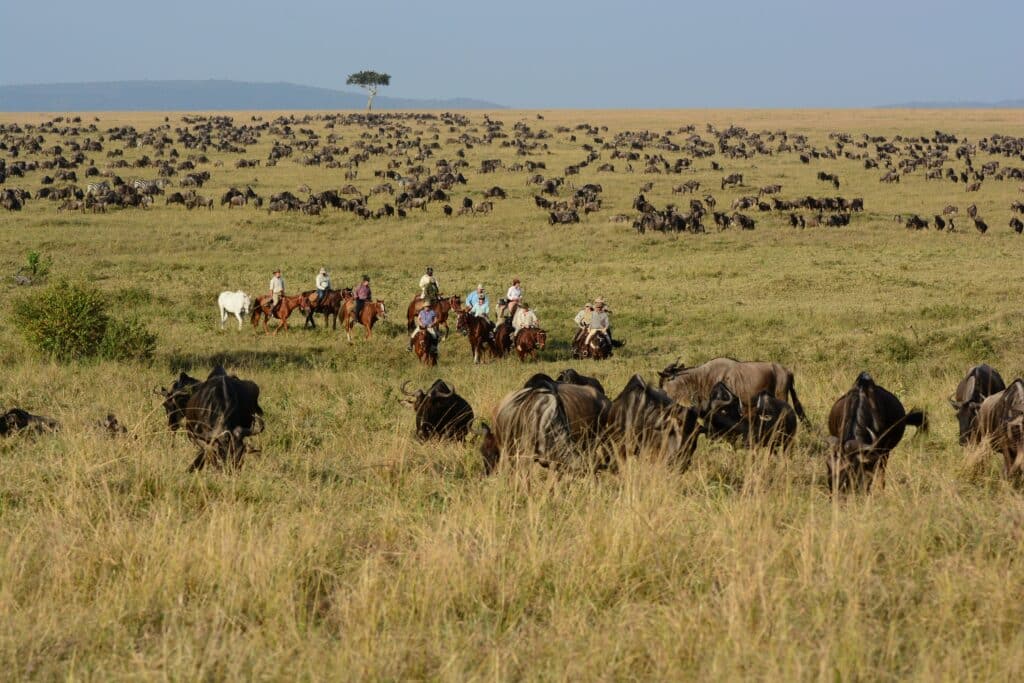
column 555, row 53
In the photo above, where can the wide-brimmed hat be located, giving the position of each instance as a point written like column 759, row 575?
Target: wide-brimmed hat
column 588, row 305
column 479, row 288
column 523, row 304
column 599, row 301
column 277, row 271
column 323, row 271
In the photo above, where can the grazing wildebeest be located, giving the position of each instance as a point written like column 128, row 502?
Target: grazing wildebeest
column 768, row 422
column 645, row 421
column 440, row 412
column 865, row 424
column 980, row 382
column 218, row 414
column 1001, row 423
column 1016, row 225
column 570, row 376
column 732, row 179
column 744, row 378
column 547, row 422
column 17, row 420
column 235, row 303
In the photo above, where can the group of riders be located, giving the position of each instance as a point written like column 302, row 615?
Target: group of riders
column 512, row 310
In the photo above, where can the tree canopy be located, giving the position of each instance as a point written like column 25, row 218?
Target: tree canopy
column 371, row 81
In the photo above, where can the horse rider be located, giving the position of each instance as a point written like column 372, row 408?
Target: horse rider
column 523, row 319
column 428, row 287
column 362, row 294
column 276, row 291
column 426, row 321
column 512, row 298
column 599, row 321
column 323, row 285
column 478, row 302
column 582, row 320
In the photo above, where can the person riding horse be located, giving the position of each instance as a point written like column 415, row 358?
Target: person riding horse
column 523, row 319
column 478, row 302
column 582, row 321
column 276, row 291
column 426, row 322
column 323, row 285
column 362, row 294
column 599, row 321
column 512, row 299
column 428, row 287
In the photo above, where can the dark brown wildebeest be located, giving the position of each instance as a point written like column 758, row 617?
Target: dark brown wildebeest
column 768, row 422
column 261, row 310
column 495, row 192
column 372, row 312
column 480, row 333
column 18, row 420
column 529, row 341
column 570, row 376
column 218, row 415
column 1016, row 225
column 732, row 180
column 972, row 211
column 980, row 382
column 547, row 422
column 865, row 424
column 645, row 421
column 746, row 379
column 980, row 225
column 1001, row 423
column 440, row 412
column 950, row 210
column 769, row 189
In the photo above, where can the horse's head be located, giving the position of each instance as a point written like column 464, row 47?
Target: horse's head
column 542, row 339
column 454, row 302
column 381, row 312
column 462, row 323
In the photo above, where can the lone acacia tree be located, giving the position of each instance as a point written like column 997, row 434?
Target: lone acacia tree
column 370, row 80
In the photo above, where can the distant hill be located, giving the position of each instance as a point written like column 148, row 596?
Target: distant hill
column 1005, row 104
column 203, row 96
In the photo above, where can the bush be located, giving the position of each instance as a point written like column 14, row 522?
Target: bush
column 69, row 321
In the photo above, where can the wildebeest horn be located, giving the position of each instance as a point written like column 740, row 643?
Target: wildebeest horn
column 445, row 394
column 404, row 390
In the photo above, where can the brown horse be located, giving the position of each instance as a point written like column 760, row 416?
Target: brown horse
column 441, row 306
column 425, row 346
column 261, row 309
column 480, row 332
column 599, row 348
column 529, row 341
column 330, row 306
column 371, row 313
column 502, row 336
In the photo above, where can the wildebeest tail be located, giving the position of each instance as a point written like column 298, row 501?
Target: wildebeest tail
column 797, row 406
column 917, row 418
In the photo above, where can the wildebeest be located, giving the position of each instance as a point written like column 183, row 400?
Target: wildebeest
column 767, row 422
column 440, row 412
column 1001, row 422
column 17, row 420
column 645, row 421
column 746, row 379
column 570, row 376
column 218, row 414
column 980, row 382
column 865, row 424
column 553, row 424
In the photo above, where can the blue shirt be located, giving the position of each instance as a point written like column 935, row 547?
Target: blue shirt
column 427, row 317
column 479, row 305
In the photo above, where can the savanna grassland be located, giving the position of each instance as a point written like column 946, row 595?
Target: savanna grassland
column 348, row 550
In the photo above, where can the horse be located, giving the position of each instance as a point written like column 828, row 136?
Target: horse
column 502, row 338
column 529, row 341
column 441, row 306
column 425, row 346
column 284, row 310
column 371, row 313
column 329, row 306
column 599, row 348
column 236, row 303
column 479, row 331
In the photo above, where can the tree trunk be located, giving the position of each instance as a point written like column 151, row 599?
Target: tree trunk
column 373, row 93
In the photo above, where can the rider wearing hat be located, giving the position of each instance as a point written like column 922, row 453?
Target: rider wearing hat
column 323, row 285
column 276, row 290
column 478, row 302
column 523, row 318
column 362, row 295
column 428, row 287
column 599, row 321
column 582, row 320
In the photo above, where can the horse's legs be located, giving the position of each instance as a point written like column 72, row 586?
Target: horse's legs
column 238, row 314
column 223, row 316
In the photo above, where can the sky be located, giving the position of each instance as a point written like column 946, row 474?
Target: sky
column 551, row 54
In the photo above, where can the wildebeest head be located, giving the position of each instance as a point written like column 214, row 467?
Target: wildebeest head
column 439, row 411
column 176, row 398
column 860, row 431
column 16, row 420
column 570, row 376
column 722, row 412
column 966, row 411
column 981, row 381
column 670, row 372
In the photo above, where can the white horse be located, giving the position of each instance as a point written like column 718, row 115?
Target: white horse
column 238, row 303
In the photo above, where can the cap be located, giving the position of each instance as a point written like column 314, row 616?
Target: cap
column 366, row 277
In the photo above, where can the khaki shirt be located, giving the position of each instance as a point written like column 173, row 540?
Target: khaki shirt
column 277, row 284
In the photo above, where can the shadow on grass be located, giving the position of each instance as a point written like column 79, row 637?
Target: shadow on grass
column 186, row 362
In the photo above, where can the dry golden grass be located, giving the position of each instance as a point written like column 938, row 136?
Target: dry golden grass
column 348, row 550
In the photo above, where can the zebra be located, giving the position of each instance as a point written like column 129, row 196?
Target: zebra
column 149, row 187
column 97, row 188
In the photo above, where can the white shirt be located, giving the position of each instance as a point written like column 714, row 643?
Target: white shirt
column 323, row 281
column 277, row 284
column 523, row 319
column 426, row 280
column 515, row 293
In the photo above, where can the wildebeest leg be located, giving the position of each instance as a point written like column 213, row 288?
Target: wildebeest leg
column 199, row 462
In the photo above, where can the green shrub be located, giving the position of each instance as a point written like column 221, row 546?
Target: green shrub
column 37, row 266
column 69, row 321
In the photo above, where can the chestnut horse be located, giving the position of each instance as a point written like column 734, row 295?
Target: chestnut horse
column 599, row 348
column 480, row 332
column 330, row 306
column 502, row 337
column 284, row 309
column 441, row 306
column 529, row 341
column 425, row 346
column 371, row 313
